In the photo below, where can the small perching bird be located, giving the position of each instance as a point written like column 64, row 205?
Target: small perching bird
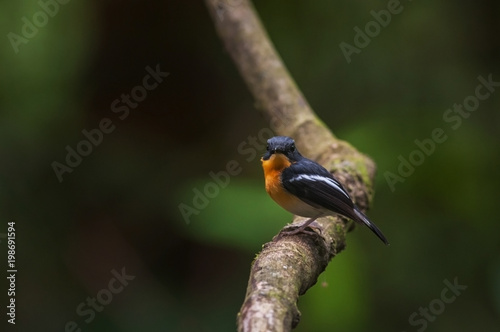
column 305, row 188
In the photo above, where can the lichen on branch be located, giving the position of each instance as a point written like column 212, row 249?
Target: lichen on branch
column 288, row 265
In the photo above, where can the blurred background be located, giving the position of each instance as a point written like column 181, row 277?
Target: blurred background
column 133, row 233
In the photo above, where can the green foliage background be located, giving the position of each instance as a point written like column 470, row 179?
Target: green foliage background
column 120, row 206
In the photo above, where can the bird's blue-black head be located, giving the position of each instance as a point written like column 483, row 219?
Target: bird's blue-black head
column 284, row 145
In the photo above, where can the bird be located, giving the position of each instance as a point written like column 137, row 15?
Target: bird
column 305, row 188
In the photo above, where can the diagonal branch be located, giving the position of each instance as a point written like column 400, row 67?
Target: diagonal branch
column 290, row 265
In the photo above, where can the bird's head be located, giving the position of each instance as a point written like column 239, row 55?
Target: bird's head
column 282, row 145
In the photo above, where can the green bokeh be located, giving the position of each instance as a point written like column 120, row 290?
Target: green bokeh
column 120, row 205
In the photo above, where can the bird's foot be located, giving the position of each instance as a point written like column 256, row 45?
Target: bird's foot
column 301, row 229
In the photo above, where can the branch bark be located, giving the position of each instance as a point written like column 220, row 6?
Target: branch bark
column 287, row 267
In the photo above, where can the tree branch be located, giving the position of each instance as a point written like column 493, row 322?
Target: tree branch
column 290, row 265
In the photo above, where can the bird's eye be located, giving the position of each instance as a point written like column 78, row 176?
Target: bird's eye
column 292, row 148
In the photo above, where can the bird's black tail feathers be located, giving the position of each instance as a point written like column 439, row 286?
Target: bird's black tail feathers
column 364, row 219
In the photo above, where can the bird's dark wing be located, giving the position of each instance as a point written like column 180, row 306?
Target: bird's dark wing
column 314, row 185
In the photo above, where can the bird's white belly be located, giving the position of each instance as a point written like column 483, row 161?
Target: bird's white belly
column 296, row 206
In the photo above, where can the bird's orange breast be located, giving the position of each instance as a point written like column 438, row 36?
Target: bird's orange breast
column 272, row 173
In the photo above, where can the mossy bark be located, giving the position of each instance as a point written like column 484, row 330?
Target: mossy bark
column 288, row 265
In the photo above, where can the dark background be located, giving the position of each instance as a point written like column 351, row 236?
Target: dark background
column 119, row 208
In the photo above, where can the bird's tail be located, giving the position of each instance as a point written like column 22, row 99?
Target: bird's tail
column 364, row 219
